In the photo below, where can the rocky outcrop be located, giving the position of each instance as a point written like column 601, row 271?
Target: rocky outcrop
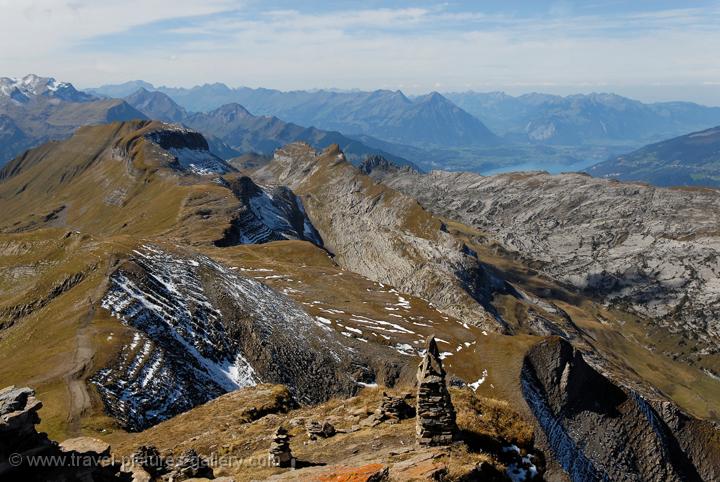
column 267, row 214
column 597, row 430
column 202, row 330
column 30, row 456
column 280, row 454
column 377, row 161
column 435, row 422
column 189, row 149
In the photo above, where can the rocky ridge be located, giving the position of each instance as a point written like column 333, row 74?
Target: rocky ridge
column 385, row 236
column 650, row 250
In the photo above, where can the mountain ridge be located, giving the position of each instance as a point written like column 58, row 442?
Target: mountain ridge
column 233, row 127
column 689, row 160
column 387, row 115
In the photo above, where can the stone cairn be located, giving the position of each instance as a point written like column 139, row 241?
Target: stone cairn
column 393, row 409
column 435, row 421
column 316, row 430
column 280, row 455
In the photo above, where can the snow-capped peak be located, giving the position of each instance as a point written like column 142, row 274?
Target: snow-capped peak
column 25, row 88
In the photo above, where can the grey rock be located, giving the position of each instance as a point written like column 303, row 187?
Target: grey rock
column 599, row 431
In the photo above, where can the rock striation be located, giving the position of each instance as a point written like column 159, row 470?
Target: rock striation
column 210, row 331
column 280, row 454
column 435, row 422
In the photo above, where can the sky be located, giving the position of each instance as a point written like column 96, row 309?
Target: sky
column 650, row 50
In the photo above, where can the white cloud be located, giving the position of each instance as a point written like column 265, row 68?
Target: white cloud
column 37, row 28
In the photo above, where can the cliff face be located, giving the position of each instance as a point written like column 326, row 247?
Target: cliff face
column 599, row 431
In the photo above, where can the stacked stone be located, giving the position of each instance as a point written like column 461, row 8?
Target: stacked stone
column 435, row 420
column 190, row 465
column 280, row 455
column 317, row 430
column 393, row 409
column 149, row 458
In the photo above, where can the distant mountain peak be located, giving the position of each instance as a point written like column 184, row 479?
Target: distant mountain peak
column 31, row 86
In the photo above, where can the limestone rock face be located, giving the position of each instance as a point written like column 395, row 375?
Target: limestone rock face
column 280, row 455
column 435, row 422
column 655, row 251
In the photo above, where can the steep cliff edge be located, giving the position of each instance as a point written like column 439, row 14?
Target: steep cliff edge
column 599, row 431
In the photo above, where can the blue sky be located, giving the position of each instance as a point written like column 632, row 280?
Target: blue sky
column 652, row 50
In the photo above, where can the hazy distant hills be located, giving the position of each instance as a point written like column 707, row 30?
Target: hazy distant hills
column 481, row 132
column 430, row 120
column 584, row 119
column 37, row 109
column 232, row 130
column 689, row 160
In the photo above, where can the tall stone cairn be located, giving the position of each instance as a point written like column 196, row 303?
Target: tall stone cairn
column 435, row 420
column 280, row 455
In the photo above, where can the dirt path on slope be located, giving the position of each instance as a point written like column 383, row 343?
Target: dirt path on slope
column 82, row 362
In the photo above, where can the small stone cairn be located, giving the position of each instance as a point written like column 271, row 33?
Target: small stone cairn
column 280, row 455
column 316, row 430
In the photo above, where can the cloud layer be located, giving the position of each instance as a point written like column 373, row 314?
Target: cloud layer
column 416, row 48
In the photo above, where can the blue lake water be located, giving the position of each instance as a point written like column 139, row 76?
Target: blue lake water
column 551, row 167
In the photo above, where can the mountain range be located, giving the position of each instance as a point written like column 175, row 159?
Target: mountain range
column 450, row 131
column 388, row 115
column 233, row 130
column 36, row 109
column 689, row 160
column 584, row 119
